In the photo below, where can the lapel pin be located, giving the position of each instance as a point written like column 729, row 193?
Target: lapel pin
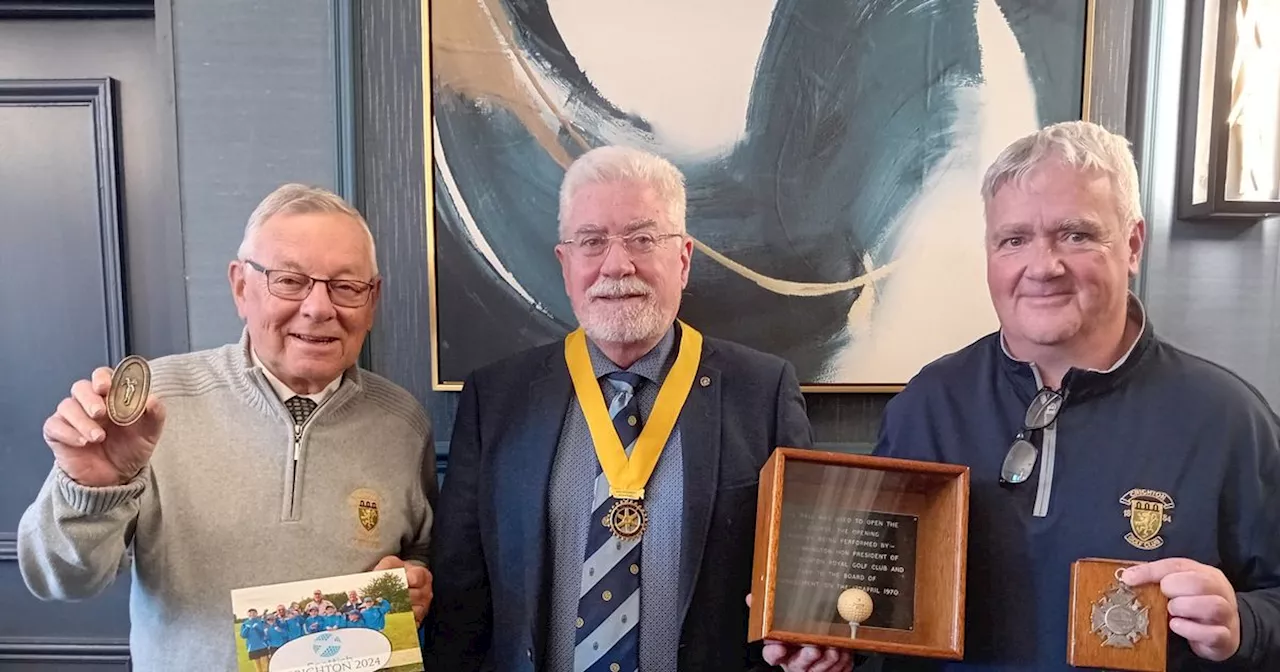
column 706, row 380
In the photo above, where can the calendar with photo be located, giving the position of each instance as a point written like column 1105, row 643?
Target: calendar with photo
column 351, row 622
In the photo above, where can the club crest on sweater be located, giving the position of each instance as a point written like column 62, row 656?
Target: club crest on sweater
column 1147, row 513
column 364, row 503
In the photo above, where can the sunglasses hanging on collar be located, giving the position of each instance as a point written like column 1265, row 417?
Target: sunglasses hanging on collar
column 1020, row 461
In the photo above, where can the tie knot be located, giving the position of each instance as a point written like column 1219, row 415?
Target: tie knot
column 625, row 379
column 300, row 408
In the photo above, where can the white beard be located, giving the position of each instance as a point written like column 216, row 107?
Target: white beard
column 628, row 324
column 631, row 323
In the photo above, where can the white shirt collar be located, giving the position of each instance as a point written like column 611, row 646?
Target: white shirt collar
column 285, row 392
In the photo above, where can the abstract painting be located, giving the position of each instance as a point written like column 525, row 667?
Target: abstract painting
column 833, row 153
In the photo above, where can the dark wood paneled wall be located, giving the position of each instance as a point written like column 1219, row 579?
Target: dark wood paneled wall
column 59, row 186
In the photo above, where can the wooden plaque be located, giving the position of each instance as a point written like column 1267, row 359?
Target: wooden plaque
column 1113, row 628
column 889, row 536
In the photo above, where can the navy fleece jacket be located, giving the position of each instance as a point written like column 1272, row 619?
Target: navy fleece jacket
column 1165, row 428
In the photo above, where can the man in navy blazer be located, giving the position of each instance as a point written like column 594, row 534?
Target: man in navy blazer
column 549, row 554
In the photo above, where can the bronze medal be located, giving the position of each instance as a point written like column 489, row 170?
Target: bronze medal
column 130, row 386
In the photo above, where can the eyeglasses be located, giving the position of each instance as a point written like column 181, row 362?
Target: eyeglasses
column 636, row 244
column 1022, row 455
column 295, row 286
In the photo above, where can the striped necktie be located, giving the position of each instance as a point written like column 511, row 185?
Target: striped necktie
column 608, row 621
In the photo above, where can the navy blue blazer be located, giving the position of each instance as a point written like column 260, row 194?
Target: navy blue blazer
column 490, row 558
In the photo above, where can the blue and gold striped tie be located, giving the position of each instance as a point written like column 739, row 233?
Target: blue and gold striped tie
column 609, row 602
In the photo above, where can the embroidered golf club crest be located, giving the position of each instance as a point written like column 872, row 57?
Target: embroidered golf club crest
column 365, row 503
column 1147, row 513
column 368, row 514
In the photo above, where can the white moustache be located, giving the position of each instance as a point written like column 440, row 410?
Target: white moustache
column 615, row 289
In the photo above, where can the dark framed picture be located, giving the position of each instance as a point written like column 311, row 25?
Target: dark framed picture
column 1229, row 163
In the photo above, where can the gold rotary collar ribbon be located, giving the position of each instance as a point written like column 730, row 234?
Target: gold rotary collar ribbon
column 627, row 476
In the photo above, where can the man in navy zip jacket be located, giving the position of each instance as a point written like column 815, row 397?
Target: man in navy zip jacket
column 1129, row 425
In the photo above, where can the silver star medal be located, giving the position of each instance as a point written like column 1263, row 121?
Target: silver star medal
column 1118, row 617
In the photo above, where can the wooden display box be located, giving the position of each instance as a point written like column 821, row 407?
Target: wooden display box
column 895, row 529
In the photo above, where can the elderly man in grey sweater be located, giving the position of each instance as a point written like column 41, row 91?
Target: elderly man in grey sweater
column 251, row 462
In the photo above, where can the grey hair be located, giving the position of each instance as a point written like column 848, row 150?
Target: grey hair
column 301, row 199
column 625, row 164
column 1082, row 145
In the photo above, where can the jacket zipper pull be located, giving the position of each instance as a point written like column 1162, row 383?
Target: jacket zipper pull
column 297, row 441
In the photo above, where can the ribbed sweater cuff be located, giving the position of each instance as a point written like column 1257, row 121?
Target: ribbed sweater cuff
column 94, row 501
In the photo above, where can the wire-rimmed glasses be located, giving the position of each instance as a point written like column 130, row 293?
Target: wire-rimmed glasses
column 637, row 244
column 295, row 286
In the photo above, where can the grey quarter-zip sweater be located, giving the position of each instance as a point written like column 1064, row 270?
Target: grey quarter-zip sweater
column 236, row 495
